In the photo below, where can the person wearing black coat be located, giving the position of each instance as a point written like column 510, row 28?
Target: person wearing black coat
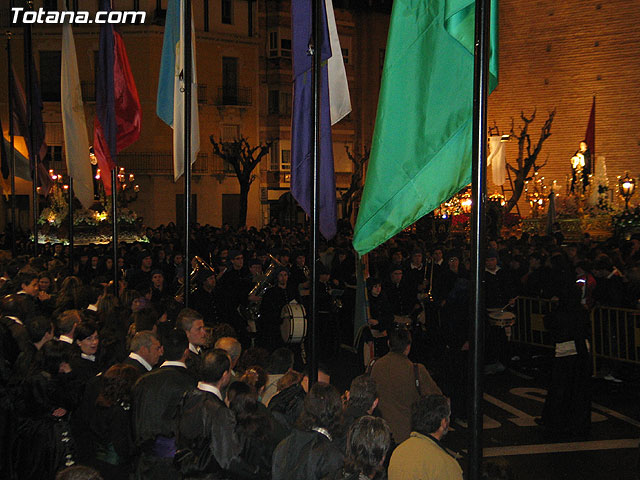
column 156, row 398
column 109, row 424
column 207, row 443
column 567, row 408
column 311, row 451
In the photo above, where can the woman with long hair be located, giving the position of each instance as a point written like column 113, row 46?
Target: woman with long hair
column 70, row 296
column 368, row 442
column 255, row 431
column 110, row 423
column 311, row 451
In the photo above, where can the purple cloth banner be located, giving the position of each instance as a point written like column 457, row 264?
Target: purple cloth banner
column 104, row 125
column 302, row 121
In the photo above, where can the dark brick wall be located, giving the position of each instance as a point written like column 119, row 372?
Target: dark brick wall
column 559, row 54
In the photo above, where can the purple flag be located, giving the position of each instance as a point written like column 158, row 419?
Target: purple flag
column 302, row 122
column 104, row 123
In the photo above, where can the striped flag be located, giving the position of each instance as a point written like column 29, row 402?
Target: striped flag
column 171, row 101
column 76, row 138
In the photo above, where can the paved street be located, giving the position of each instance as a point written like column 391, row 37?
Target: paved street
column 511, row 436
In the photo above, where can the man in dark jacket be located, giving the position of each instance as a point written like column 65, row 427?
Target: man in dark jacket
column 208, row 446
column 156, row 397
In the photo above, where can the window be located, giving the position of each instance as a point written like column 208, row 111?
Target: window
column 345, row 55
column 278, row 47
column 273, row 43
column 227, row 12
column 275, row 159
column 274, row 101
column 285, row 47
column 230, row 133
column 206, row 15
column 54, row 154
column 50, row 75
column 285, row 103
column 279, row 102
column 229, row 80
column 285, row 160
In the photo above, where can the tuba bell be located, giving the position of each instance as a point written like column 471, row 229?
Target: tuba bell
column 199, row 267
column 252, row 311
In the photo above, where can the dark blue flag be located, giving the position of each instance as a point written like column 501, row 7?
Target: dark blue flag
column 302, row 120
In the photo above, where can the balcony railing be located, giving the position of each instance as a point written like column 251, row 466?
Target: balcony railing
column 234, row 96
column 154, row 163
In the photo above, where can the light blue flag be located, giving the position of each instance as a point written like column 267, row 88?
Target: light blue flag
column 170, row 102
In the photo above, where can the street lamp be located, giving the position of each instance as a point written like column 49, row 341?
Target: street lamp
column 627, row 187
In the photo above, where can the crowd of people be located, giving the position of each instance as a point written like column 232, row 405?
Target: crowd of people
column 123, row 378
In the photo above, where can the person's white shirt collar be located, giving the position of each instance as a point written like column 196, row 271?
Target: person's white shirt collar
column 194, row 348
column 144, row 363
column 91, row 358
column 494, row 271
column 207, row 387
column 173, row 363
column 64, row 338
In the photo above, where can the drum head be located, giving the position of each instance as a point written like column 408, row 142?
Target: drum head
column 502, row 315
column 294, row 323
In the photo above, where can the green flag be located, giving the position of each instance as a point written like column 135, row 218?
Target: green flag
column 421, row 148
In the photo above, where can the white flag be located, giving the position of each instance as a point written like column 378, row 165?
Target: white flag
column 497, row 159
column 76, row 138
column 179, row 104
column 339, row 98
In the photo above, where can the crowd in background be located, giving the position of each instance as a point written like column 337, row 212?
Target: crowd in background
column 122, row 377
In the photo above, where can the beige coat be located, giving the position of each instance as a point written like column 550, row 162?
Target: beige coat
column 395, row 378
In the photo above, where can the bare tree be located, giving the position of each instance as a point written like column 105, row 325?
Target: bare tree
column 244, row 160
column 354, row 192
column 527, row 153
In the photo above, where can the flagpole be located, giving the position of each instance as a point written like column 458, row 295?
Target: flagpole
column 315, row 232
column 478, row 175
column 188, row 76
column 71, row 223
column 12, row 157
column 32, row 148
column 114, row 217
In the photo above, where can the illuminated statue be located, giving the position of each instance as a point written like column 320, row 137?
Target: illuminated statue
column 581, row 166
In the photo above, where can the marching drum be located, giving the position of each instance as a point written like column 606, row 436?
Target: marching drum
column 294, row 323
column 506, row 320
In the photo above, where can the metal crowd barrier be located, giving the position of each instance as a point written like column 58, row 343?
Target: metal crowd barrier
column 615, row 332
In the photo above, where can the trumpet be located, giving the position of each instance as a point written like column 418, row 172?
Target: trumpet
column 200, row 266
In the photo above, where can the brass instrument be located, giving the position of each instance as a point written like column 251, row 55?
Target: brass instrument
column 304, row 288
column 251, row 312
column 268, row 281
column 200, row 266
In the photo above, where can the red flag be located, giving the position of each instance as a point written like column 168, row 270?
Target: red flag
column 119, row 99
column 590, row 135
column 128, row 111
